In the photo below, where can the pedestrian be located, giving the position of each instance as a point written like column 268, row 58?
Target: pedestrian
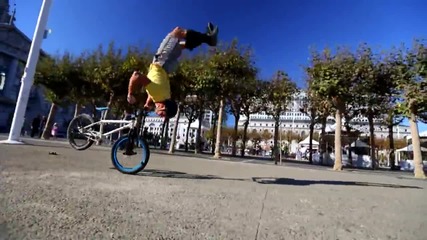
column 35, row 125
column 54, row 131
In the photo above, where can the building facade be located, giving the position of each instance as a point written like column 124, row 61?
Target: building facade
column 298, row 123
column 154, row 125
column 14, row 50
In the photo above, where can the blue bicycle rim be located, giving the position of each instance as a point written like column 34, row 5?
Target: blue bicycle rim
column 125, row 169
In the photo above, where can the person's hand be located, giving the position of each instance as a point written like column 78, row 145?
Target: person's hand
column 131, row 99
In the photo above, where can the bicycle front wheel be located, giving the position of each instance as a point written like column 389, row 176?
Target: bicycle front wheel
column 130, row 161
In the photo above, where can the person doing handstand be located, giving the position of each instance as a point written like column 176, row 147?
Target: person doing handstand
column 165, row 61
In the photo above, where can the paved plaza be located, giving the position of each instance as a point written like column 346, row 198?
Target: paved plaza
column 78, row 195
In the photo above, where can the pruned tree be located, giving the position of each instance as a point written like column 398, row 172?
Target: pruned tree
column 224, row 66
column 390, row 73
column 55, row 74
column 334, row 80
column 252, row 104
column 412, row 83
column 312, row 107
column 181, row 83
column 372, row 89
column 279, row 93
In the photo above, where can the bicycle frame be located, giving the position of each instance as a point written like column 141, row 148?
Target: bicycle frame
column 95, row 135
column 129, row 125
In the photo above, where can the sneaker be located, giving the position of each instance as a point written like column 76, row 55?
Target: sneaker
column 212, row 31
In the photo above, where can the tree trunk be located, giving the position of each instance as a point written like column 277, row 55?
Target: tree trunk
column 50, row 121
column 372, row 139
column 276, row 137
column 236, row 128
column 144, row 117
column 77, row 109
column 93, row 108
column 416, row 145
column 197, row 149
column 165, row 136
column 186, row 136
column 322, row 141
column 218, row 131
column 175, row 130
column 338, row 150
column 213, row 137
column 244, row 138
column 391, row 156
column 350, row 154
column 162, row 133
column 310, row 145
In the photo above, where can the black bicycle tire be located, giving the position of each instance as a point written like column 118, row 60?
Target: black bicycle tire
column 71, row 139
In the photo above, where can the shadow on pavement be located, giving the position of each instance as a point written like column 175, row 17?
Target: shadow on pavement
column 183, row 175
column 265, row 180
column 300, row 182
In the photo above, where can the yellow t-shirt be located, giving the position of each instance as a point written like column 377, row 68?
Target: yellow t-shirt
column 159, row 88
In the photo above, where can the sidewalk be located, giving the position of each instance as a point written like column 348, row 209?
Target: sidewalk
column 77, row 194
column 227, row 157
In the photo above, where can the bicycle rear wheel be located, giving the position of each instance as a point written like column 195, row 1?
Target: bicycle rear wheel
column 77, row 132
column 119, row 151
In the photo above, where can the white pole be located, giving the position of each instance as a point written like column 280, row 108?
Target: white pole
column 28, row 76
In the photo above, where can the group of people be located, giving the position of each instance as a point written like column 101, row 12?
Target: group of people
column 38, row 124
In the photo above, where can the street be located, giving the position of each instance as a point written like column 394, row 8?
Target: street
column 78, row 195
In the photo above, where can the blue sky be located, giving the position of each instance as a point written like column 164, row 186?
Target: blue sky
column 280, row 31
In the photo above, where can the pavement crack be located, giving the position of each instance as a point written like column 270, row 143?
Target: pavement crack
column 260, row 215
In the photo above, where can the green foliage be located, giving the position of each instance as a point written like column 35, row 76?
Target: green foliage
column 56, row 74
column 277, row 94
column 227, row 67
column 333, row 76
column 411, row 80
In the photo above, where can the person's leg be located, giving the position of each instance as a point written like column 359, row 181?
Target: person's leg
column 171, row 47
column 170, row 50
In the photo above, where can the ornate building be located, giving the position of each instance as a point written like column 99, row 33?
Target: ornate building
column 14, row 50
column 297, row 122
column 154, row 125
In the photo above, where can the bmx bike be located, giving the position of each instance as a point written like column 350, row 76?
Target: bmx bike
column 84, row 127
column 126, row 145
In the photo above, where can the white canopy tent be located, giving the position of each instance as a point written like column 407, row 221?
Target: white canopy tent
column 306, row 143
column 410, row 148
column 408, row 163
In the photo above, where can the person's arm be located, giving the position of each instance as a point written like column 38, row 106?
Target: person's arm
column 136, row 82
column 149, row 102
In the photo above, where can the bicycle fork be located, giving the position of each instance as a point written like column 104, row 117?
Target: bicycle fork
column 130, row 144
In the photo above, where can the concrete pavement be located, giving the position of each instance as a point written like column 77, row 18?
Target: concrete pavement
column 77, row 195
column 225, row 157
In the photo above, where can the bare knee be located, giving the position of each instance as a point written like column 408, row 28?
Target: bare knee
column 178, row 32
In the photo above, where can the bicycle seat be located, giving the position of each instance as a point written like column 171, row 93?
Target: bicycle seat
column 101, row 109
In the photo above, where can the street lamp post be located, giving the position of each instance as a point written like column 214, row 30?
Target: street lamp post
column 28, row 76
